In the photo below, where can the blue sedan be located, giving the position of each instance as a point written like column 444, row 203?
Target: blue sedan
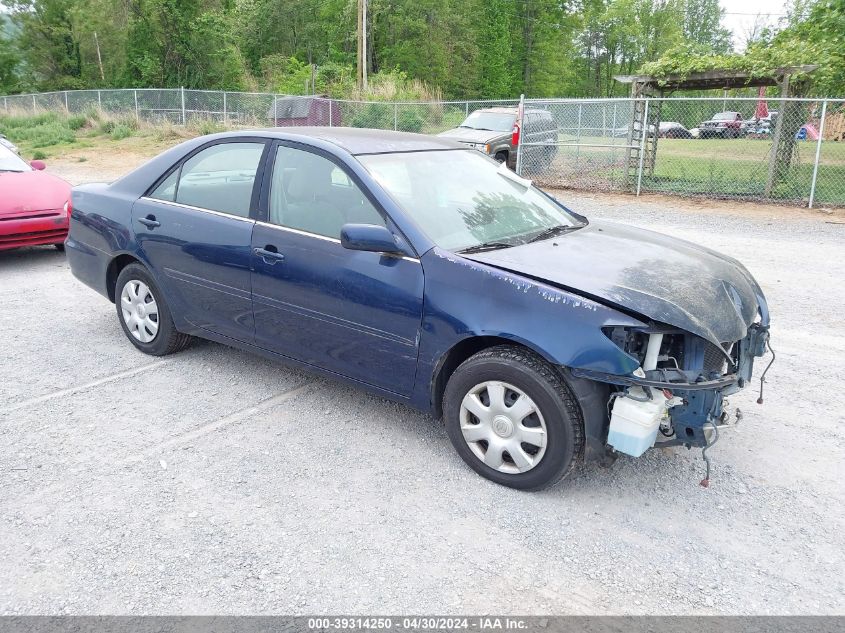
column 426, row 272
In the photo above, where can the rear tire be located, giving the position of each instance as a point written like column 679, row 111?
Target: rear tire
column 144, row 314
column 484, row 409
column 60, row 247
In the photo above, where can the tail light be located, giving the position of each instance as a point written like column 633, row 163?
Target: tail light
column 68, row 208
column 515, row 134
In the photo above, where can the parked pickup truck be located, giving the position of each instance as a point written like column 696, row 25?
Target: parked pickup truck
column 723, row 125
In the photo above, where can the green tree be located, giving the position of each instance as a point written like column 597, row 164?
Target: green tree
column 10, row 60
column 498, row 77
column 430, row 40
column 187, row 43
column 47, row 42
column 702, row 24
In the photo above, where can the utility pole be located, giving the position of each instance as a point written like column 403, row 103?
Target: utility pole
column 360, row 67
column 99, row 58
column 362, row 44
column 366, row 41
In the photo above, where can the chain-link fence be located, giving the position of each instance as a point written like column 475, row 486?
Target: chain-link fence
column 789, row 150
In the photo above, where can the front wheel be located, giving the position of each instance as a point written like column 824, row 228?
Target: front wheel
column 144, row 314
column 512, row 418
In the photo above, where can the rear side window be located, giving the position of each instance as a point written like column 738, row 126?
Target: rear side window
column 167, row 189
column 219, row 178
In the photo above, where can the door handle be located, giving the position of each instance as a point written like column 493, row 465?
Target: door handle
column 150, row 221
column 269, row 257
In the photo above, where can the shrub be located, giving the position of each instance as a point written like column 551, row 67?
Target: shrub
column 374, row 115
column 120, row 131
column 38, row 155
column 410, row 121
column 206, row 126
column 106, row 127
column 76, row 122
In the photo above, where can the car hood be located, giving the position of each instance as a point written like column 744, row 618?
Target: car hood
column 468, row 135
column 31, row 191
column 665, row 279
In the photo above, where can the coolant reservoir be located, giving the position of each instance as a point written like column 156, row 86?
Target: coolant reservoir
column 634, row 424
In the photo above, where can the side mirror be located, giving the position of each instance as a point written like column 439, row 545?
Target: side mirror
column 368, row 237
column 38, row 165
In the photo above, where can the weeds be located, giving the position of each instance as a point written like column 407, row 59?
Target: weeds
column 121, row 131
column 35, row 132
column 48, row 133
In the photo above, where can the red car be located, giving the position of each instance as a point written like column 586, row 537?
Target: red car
column 34, row 206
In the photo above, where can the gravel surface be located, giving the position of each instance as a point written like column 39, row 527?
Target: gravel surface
column 214, row 481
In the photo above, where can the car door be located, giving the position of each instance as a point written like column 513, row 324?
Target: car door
column 196, row 232
column 351, row 312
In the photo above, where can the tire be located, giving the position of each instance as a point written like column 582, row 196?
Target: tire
column 158, row 336
column 556, row 415
column 501, row 157
column 60, row 247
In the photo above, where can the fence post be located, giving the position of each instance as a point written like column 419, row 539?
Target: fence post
column 6, row 103
column 642, row 148
column 519, row 115
column 331, row 113
column 818, row 155
column 67, row 109
column 33, row 104
column 578, row 136
column 395, row 116
column 183, row 105
column 99, row 100
column 466, row 109
column 613, row 125
column 225, row 110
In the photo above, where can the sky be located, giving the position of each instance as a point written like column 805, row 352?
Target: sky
column 740, row 15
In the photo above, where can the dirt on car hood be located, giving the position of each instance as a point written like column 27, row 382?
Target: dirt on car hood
column 668, row 280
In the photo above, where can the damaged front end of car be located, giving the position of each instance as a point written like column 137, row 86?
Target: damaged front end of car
column 677, row 396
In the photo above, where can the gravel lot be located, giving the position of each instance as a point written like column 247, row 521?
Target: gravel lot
column 213, row 481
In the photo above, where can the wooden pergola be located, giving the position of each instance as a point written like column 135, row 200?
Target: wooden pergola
column 644, row 117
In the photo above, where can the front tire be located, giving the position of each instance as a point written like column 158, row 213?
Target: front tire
column 144, row 315
column 512, row 418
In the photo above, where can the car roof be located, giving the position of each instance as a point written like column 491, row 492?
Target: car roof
column 511, row 110
column 360, row 141
column 355, row 141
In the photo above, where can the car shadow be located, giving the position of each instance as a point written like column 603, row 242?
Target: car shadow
column 31, row 255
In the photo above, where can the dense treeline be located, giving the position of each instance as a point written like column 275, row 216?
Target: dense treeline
column 453, row 48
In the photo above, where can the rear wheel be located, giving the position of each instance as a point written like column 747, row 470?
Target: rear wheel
column 512, row 418
column 144, row 314
column 60, row 247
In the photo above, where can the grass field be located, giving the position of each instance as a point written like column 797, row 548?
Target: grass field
column 711, row 167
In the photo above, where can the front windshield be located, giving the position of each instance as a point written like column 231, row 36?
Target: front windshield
column 725, row 116
column 9, row 161
column 493, row 121
column 463, row 199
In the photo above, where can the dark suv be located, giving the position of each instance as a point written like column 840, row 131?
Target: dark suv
column 491, row 131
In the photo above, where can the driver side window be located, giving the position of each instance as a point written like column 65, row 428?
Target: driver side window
column 311, row 193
